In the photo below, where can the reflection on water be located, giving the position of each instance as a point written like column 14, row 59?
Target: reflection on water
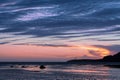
column 83, row 69
column 32, row 68
column 59, row 72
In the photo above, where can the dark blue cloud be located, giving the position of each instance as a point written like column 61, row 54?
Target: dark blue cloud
column 60, row 19
column 3, row 42
column 47, row 45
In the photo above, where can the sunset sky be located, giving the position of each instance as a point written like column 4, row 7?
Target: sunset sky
column 58, row 30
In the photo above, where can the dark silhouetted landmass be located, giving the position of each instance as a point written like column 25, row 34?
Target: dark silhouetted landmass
column 109, row 58
column 114, row 58
column 113, row 66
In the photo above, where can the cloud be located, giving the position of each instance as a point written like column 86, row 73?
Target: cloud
column 35, row 13
column 108, row 39
column 3, row 43
column 96, row 51
column 46, row 45
column 60, row 20
column 9, row 3
column 113, row 48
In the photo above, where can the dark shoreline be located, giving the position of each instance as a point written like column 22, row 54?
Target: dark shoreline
column 82, row 62
column 31, row 63
column 108, row 64
column 113, row 66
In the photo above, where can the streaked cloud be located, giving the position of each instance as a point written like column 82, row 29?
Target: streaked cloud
column 35, row 15
column 59, row 23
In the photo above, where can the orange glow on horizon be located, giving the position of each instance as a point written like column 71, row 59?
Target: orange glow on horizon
column 31, row 52
column 96, row 50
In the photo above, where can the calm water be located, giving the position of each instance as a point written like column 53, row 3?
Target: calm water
column 59, row 72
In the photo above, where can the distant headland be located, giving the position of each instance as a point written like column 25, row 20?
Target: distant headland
column 110, row 61
column 109, row 58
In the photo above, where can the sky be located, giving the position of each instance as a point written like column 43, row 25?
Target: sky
column 58, row 30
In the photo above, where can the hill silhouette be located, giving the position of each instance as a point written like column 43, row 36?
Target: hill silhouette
column 114, row 58
column 109, row 58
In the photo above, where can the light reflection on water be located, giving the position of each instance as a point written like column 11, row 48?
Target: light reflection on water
column 63, row 72
column 77, row 69
column 83, row 69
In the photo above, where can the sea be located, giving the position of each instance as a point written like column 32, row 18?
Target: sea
column 58, row 71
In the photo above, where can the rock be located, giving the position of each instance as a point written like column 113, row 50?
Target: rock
column 12, row 66
column 23, row 66
column 42, row 67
